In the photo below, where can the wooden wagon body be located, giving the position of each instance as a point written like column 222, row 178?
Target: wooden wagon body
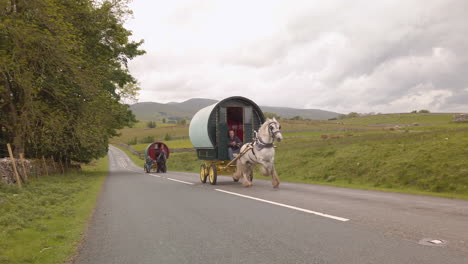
column 209, row 132
column 152, row 151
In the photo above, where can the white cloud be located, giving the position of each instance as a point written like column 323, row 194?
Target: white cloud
column 380, row 56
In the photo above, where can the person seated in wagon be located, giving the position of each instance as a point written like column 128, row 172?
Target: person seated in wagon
column 234, row 144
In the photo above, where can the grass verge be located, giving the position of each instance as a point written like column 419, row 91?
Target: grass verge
column 44, row 221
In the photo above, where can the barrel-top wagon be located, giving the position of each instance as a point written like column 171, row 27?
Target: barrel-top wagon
column 154, row 158
column 209, row 133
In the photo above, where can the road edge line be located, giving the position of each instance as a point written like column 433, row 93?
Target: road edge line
column 190, row 183
column 342, row 219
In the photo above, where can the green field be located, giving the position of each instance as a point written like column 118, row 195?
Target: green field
column 159, row 125
column 158, row 134
column 172, row 144
column 44, row 221
column 415, row 153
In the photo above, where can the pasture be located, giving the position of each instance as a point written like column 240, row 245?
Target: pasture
column 44, row 221
column 416, row 153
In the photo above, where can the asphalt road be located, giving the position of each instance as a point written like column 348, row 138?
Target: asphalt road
column 173, row 218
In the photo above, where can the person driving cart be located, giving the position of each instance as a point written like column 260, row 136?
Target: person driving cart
column 161, row 159
column 234, row 144
column 149, row 163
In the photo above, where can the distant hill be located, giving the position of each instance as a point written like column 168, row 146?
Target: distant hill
column 185, row 110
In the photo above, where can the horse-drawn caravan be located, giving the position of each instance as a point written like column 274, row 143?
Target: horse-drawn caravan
column 209, row 135
column 156, row 155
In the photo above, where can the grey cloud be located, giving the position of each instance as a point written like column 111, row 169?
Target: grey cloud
column 381, row 56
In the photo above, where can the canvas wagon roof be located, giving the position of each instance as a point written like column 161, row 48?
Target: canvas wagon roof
column 154, row 145
column 198, row 131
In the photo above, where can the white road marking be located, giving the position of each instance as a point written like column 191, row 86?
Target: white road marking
column 287, row 206
column 179, row 181
column 155, row 175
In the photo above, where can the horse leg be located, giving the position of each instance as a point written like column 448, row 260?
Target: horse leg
column 237, row 174
column 246, row 173
column 274, row 177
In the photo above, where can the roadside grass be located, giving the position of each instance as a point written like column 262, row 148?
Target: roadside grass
column 421, row 119
column 44, row 221
column 426, row 163
column 429, row 156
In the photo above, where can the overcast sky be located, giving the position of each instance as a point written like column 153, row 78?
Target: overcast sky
column 364, row 56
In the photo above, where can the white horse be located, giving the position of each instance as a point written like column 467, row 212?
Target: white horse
column 261, row 151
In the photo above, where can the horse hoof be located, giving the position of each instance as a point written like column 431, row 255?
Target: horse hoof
column 276, row 185
column 247, row 184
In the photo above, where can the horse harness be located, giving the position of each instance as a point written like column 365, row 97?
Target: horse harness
column 258, row 142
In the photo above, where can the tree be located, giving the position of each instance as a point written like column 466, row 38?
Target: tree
column 181, row 122
column 350, row 115
column 297, row 118
column 353, row 114
column 63, row 75
column 424, row 111
column 164, row 120
column 271, row 115
column 151, row 124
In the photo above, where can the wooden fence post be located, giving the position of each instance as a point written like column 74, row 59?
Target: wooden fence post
column 18, row 181
column 53, row 163
column 24, row 167
column 45, row 166
column 38, row 168
column 61, row 166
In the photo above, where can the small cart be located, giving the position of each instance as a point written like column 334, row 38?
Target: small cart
column 156, row 155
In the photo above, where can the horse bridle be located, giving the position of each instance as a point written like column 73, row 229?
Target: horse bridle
column 270, row 129
column 258, row 140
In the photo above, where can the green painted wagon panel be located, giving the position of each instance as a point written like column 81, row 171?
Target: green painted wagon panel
column 208, row 127
column 222, row 133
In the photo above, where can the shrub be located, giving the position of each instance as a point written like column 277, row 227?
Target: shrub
column 271, row 115
column 133, row 141
column 151, row 124
column 148, row 139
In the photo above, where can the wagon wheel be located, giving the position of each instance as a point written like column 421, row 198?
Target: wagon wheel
column 213, row 173
column 203, row 173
